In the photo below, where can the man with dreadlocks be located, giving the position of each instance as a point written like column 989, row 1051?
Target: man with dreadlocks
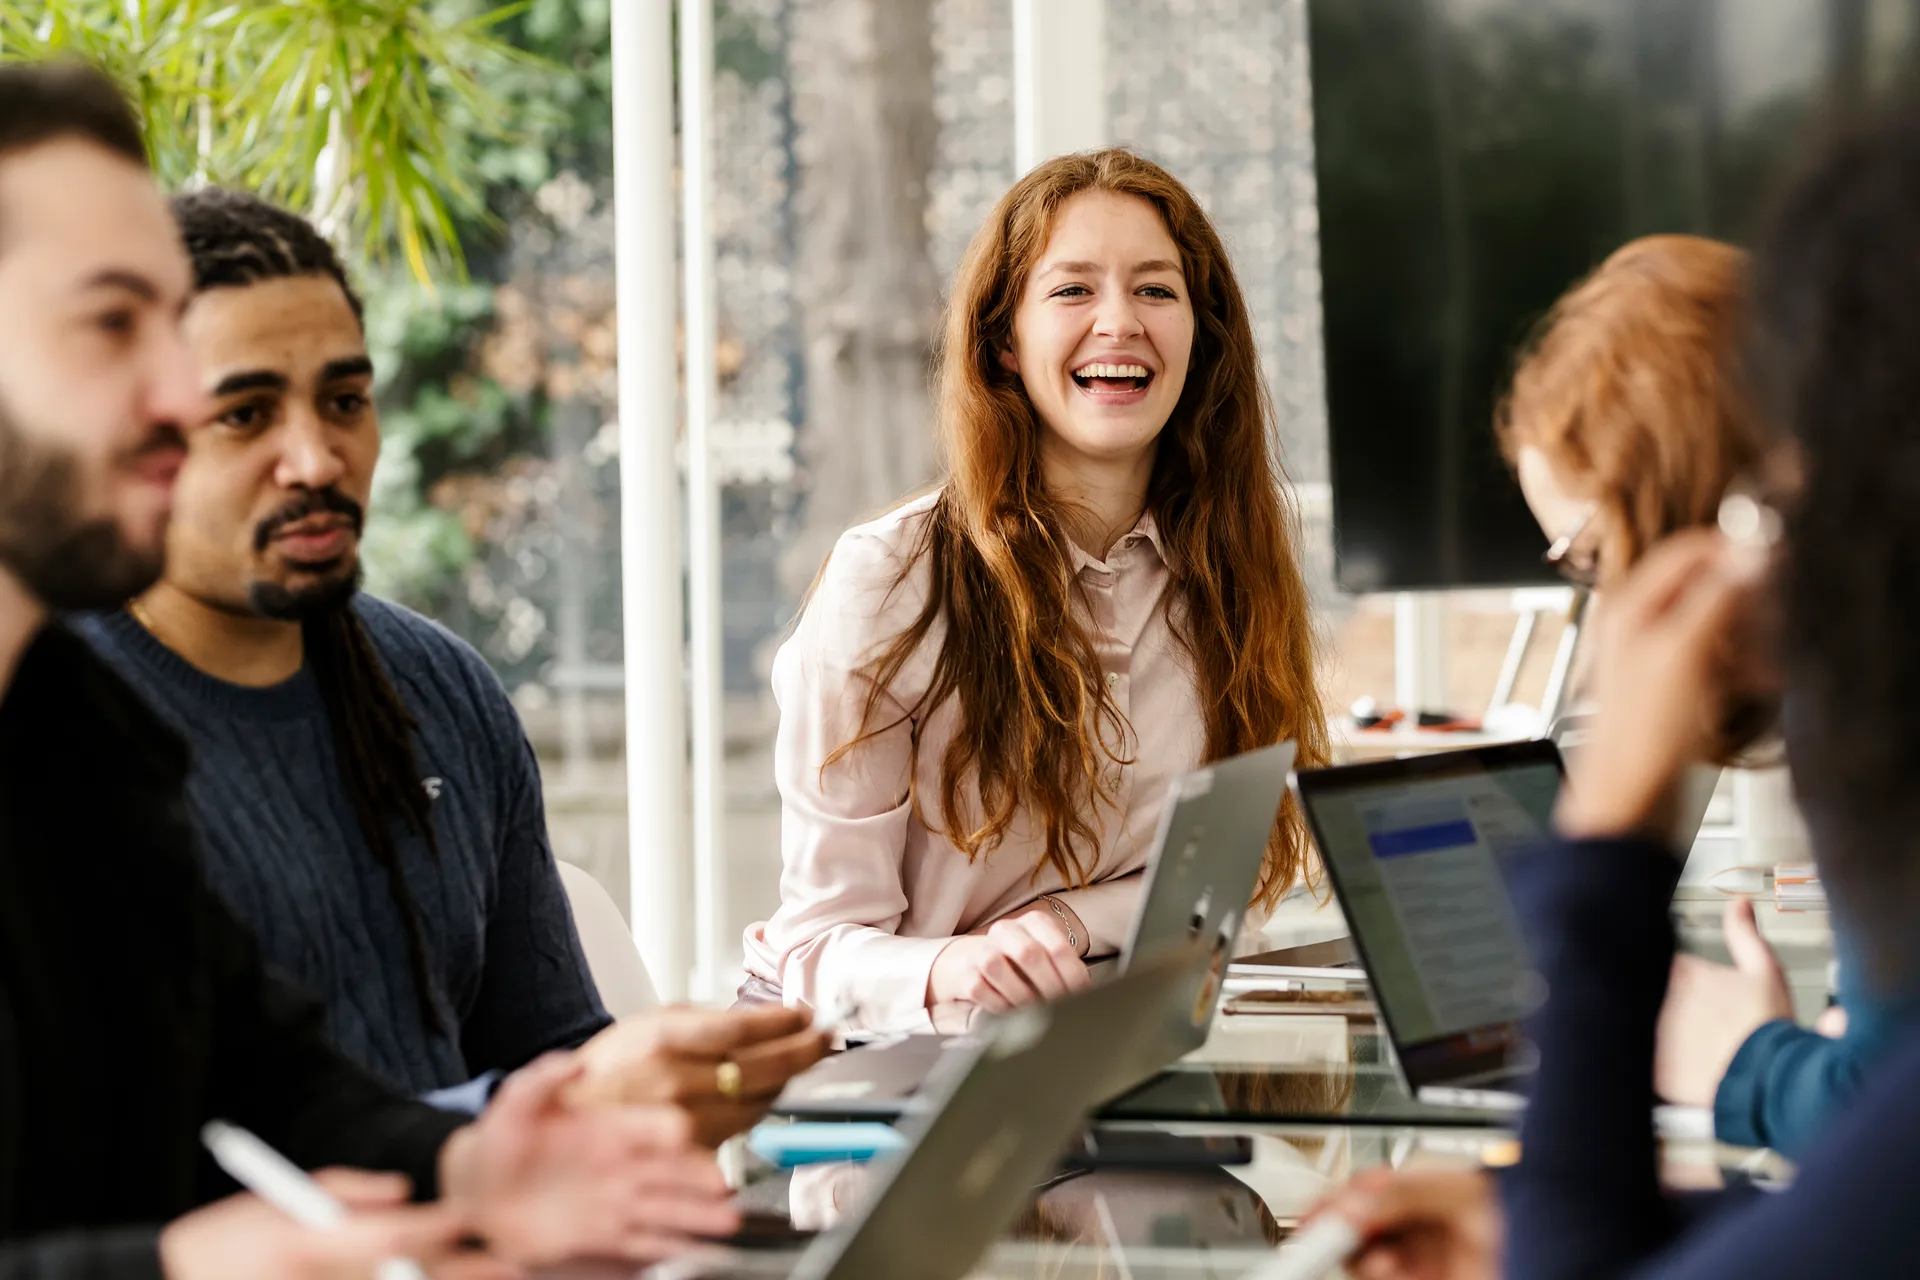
column 134, row 1008
column 364, row 789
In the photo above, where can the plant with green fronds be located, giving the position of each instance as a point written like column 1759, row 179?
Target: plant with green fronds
column 372, row 116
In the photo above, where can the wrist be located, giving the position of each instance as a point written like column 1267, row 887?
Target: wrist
column 1069, row 921
column 1592, row 817
column 456, row 1163
column 935, row 971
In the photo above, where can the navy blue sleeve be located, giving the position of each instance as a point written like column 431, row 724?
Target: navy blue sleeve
column 1585, row 1201
column 536, row 993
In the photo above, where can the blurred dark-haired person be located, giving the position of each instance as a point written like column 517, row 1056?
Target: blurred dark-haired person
column 1834, row 307
column 366, row 797
column 992, row 686
column 133, row 1007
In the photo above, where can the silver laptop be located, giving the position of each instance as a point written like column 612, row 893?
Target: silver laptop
column 998, row 1113
column 1208, row 852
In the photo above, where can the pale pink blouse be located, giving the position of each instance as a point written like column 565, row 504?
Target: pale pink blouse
column 869, row 895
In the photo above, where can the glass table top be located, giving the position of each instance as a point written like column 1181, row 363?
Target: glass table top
column 1267, row 1069
column 1255, row 1068
column 1214, row 1222
column 1199, row 1222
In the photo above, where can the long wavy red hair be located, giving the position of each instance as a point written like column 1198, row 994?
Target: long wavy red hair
column 1037, row 724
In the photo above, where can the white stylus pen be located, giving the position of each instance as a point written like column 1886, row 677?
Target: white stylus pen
column 1312, row 1253
column 284, row 1185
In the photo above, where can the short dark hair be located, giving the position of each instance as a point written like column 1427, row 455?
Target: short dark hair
column 236, row 238
column 44, row 101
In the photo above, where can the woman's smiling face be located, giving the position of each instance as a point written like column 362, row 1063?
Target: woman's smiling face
column 1104, row 331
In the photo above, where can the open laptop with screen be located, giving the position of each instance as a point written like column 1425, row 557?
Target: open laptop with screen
column 1414, row 849
column 1208, row 851
column 1336, row 957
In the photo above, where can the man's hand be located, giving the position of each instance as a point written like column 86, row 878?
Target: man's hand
column 1421, row 1225
column 1018, row 959
column 243, row 1237
column 1711, row 1009
column 544, row 1182
column 672, row 1057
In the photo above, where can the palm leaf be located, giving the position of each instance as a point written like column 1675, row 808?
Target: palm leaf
column 399, row 80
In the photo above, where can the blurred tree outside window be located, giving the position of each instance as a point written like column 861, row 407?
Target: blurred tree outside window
column 460, row 154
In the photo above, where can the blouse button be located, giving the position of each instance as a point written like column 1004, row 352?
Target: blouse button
column 1113, row 678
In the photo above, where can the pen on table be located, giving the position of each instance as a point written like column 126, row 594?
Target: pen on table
column 281, row 1183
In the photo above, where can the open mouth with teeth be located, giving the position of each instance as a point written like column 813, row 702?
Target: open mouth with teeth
column 1113, row 377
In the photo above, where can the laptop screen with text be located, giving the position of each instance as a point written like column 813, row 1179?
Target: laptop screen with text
column 1416, row 852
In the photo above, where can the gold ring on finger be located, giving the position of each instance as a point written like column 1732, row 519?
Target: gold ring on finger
column 726, row 1078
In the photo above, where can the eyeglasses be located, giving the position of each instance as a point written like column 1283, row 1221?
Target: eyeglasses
column 1583, row 570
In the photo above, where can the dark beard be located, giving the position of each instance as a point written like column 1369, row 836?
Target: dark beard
column 271, row 600
column 65, row 561
column 338, row 582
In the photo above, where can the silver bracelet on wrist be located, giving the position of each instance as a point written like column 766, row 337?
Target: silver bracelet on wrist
column 1073, row 939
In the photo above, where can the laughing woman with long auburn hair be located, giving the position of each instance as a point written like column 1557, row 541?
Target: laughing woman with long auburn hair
column 992, row 685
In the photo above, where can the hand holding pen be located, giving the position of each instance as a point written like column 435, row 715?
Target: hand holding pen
column 341, row 1224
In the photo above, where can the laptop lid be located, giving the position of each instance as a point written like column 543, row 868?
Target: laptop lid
column 1414, row 849
column 1208, row 852
column 1207, row 857
column 999, row 1114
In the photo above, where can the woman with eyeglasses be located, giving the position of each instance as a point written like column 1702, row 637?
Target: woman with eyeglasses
column 1627, row 419
column 1837, row 307
column 1630, row 420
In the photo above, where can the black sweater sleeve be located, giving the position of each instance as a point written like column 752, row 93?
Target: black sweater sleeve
column 1585, row 1200
column 121, row 1253
column 274, row 1073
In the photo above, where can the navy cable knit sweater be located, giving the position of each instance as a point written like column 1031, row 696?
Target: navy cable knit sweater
column 284, row 851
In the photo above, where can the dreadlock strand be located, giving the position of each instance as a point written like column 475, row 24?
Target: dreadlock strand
column 373, row 738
